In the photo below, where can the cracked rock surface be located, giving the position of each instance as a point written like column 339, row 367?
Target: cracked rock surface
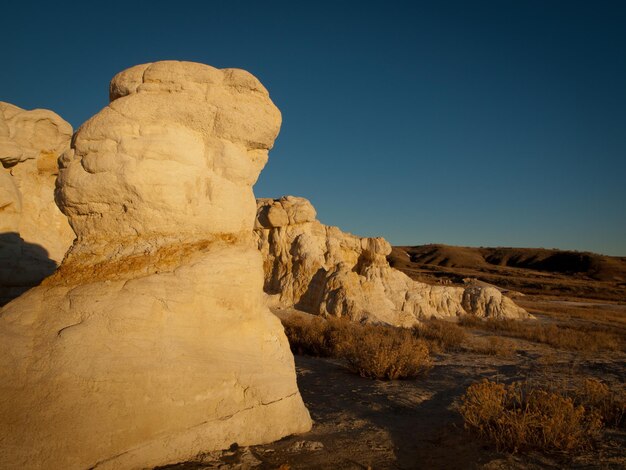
column 153, row 342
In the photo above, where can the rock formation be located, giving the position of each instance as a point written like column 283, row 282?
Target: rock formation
column 322, row 270
column 152, row 342
column 34, row 234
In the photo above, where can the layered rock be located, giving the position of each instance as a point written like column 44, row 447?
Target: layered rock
column 152, row 342
column 322, row 270
column 34, row 234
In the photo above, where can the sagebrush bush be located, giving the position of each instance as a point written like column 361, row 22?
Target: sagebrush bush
column 385, row 353
column 609, row 404
column 313, row 337
column 518, row 417
column 376, row 351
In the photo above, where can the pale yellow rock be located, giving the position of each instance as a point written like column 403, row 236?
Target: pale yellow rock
column 153, row 341
column 325, row 271
column 34, row 234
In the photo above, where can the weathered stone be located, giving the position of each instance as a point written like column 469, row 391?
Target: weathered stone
column 34, row 234
column 152, row 342
column 325, row 271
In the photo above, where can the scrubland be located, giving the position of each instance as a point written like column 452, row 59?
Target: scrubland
column 471, row 393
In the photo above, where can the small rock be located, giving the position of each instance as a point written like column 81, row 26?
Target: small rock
column 306, row 445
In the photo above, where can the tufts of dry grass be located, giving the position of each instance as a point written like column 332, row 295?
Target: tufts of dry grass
column 376, row 351
column 612, row 319
column 555, row 335
column 492, row 346
column 442, row 336
column 445, row 336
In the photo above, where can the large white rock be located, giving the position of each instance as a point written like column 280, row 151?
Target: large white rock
column 153, row 341
column 34, row 234
column 322, row 270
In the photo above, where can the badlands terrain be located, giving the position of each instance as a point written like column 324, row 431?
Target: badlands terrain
column 155, row 315
column 529, row 270
column 361, row 423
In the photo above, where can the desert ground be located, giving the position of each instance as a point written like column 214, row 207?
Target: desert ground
column 363, row 423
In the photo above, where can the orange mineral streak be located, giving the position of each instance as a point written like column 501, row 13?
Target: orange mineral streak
column 94, row 267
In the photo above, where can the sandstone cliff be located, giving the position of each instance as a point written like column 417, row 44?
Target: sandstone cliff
column 34, row 234
column 325, row 271
column 152, row 342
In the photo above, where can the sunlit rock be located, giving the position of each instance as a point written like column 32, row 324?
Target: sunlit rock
column 153, row 342
column 322, row 270
column 34, row 234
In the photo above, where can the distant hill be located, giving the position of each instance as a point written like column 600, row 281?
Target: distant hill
column 595, row 266
column 529, row 270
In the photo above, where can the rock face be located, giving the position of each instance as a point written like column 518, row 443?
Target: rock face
column 153, row 342
column 322, row 270
column 34, row 234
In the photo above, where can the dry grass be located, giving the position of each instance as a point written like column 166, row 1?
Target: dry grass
column 491, row 346
column 375, row 351
column 609, row 316
column 445, row 336
column 558, row 336
column 441, row 335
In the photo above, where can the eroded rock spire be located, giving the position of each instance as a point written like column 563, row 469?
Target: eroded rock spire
column 153, row 342
column 325, row 271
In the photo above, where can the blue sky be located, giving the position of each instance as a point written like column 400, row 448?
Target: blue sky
column 483, row 123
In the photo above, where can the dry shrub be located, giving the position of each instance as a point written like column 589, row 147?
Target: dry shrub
column 376, row 351
column 385, row 353
column 441, row 335
column 492, row 346
column 609, row 404
column 313, row 337
column 555, row 335
column 518, row 417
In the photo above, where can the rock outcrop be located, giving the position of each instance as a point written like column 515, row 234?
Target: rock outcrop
column 34, row 234
column 153, row 342
column 322, row 270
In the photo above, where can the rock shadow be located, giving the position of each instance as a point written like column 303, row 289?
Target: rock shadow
column 22, row 265
column 404, row 424
column 312, row 297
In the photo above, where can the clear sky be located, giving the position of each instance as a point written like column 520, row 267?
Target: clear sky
column 493, row 123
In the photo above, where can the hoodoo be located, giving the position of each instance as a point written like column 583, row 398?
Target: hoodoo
column 325, row 271
column 152, row 342
column 34, row 234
